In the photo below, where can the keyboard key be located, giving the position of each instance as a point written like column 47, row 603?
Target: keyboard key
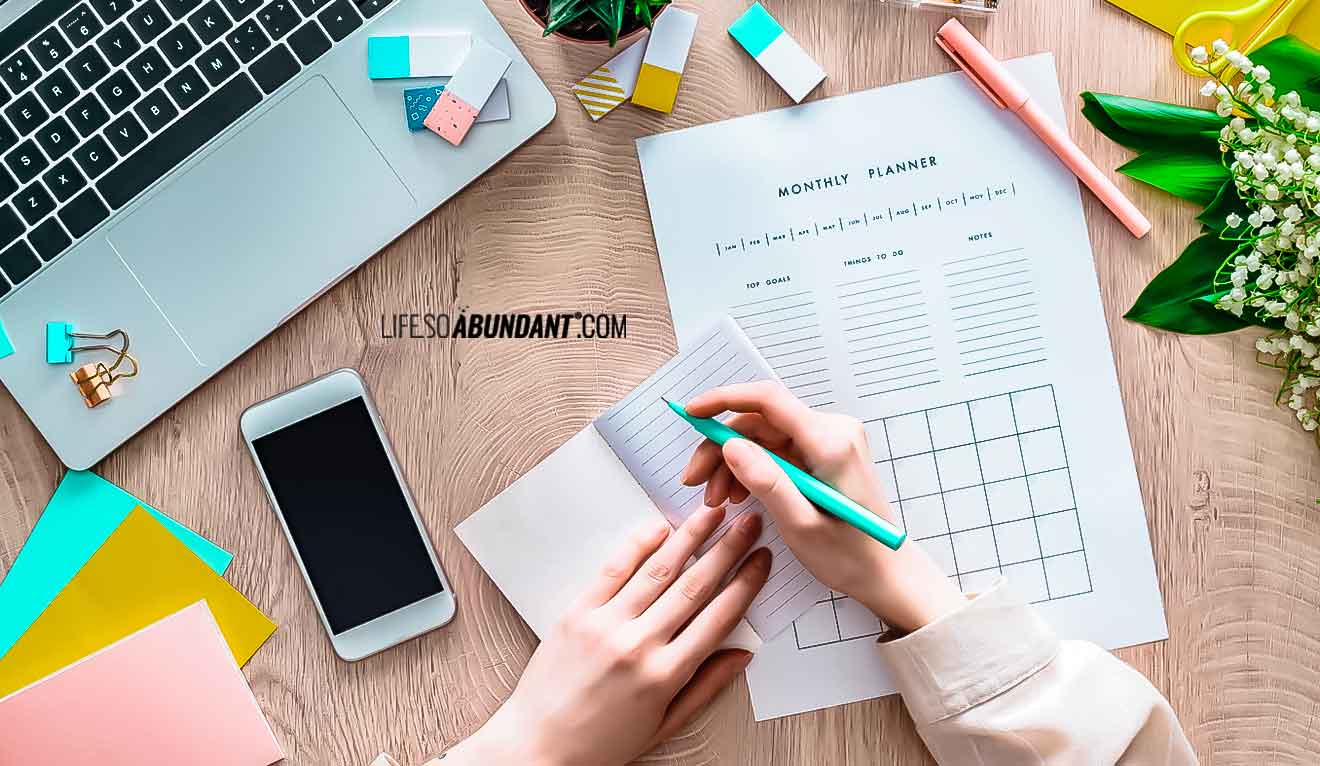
column 49, row 239
column 278, row 17
column 57, row 138
column 88, row 115
column 19, row 262
column 34, row 203
column 148, row 68
column 179, row 45
column 19, row 71
column 26, row 113
column 340, row 19
column 174, row 144
column 125, row 133
column 248, row 40
column 210, row 22
column 80, row 25
column 64, row 180
column 83, row 213
column 275, row 68
column 94, row 156
column 370, row 8
column 309, row 42
column 148, row 20
column 11, row 228
column 217, row 64
column 7, row 184
column 88, row 66
column 309, row 8
column 111, row 10
column 186, row 86
column 50, row 49
column 118, row 91
column 181, row 8
column 117, row 43
column 26, row 161
column 240, row 8
column 155, row 110
column 57, row 90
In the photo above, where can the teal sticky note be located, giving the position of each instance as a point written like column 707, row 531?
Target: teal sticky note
column 6, row 345
column 82, row 513
column 388, row 58
column 59, row 343
column 755, row 29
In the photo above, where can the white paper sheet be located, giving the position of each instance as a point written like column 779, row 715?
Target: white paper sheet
column 544, row 538
column 915, row 257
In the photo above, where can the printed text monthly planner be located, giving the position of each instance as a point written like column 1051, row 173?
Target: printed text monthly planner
column 915, row 257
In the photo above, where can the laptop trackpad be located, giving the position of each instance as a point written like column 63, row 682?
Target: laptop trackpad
column 229, row 248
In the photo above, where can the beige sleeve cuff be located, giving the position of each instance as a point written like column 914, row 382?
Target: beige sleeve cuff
column 969, row 656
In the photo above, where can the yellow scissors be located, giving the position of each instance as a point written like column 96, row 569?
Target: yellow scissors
column 1245, row 29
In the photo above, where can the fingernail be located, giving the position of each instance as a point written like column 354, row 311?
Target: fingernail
column 748, row 521
column 763, row 557
column 737, row 452
column 745, row 658
column 661, row 530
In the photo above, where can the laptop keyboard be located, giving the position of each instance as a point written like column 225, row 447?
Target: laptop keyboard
column 100, row 98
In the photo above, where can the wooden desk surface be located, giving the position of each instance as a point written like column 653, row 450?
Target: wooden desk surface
column 1229, row 482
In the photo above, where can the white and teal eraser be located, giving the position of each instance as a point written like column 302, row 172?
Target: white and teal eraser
column 6, row 345
column 401, row 56
column 777, row 52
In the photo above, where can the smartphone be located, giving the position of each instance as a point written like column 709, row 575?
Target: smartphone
column 336, row 487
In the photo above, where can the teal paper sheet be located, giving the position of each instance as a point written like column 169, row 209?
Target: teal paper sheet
column 81, row 514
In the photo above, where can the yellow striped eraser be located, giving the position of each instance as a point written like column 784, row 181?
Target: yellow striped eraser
column 613, row 82
column 666, row 55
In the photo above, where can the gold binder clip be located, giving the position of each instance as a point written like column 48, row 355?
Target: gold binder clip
column 94, row 380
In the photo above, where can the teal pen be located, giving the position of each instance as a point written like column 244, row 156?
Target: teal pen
column 825, row 497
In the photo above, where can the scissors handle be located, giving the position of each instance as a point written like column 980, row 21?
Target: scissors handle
column 1246, row 29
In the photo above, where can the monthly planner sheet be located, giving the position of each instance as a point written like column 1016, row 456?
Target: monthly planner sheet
column 915, row 257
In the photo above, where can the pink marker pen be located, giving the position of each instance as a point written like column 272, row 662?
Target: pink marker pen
column 1007, row 92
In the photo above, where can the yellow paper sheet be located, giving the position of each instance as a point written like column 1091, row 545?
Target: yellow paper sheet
column 140, row 575
column 1170, row 14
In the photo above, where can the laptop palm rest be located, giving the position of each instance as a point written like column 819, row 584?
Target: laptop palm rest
column 225, row 248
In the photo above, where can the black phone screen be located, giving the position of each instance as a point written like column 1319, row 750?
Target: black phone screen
column 347, row 515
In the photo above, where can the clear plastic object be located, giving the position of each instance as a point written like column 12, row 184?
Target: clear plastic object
column 966, row 6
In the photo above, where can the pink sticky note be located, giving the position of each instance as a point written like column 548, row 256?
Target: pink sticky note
column 166, row 695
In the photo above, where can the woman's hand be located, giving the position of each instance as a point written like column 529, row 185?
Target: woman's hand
column 637, row 657
column 904, row 588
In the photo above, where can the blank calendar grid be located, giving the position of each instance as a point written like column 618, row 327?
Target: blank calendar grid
column 984, row 485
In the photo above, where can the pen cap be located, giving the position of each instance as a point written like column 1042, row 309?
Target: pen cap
column 979, row 64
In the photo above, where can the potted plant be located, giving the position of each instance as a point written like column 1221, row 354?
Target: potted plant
column 594, row 21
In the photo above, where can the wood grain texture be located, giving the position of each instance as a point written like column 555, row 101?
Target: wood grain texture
column 1229, row 481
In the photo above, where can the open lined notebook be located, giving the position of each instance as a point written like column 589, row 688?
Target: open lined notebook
column 544, row 538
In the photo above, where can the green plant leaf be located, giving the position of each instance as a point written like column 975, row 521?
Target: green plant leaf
column 1194, row 177
column 1293, row 65
column 1226, row 201
column 1147, row 125
column 1172, row 300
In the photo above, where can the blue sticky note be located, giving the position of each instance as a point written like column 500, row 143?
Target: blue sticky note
column 83, row 512
column 417, row 103
column 6, row 345
column 388, row 58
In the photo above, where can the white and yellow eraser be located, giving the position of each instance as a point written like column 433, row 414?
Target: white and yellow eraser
column 666, row 55
column 613, row 82
column 777, row 52
column 452, row 116
column 400, row 56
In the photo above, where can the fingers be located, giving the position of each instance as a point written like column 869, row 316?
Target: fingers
column 716, row 673
column 769, row 398
column 754, row 469
column 695, row 587
column 717, row 488
column 704, row 634
column 664, row 565
column 619, row 569
column 706, row 458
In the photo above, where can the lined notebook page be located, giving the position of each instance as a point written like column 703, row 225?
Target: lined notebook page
column 655, row 445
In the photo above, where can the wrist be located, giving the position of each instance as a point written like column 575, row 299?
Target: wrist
column 910, row 591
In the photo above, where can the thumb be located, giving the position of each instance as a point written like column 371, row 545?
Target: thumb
column 752, row 466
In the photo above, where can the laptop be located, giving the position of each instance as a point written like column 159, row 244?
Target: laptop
column 195, row 172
